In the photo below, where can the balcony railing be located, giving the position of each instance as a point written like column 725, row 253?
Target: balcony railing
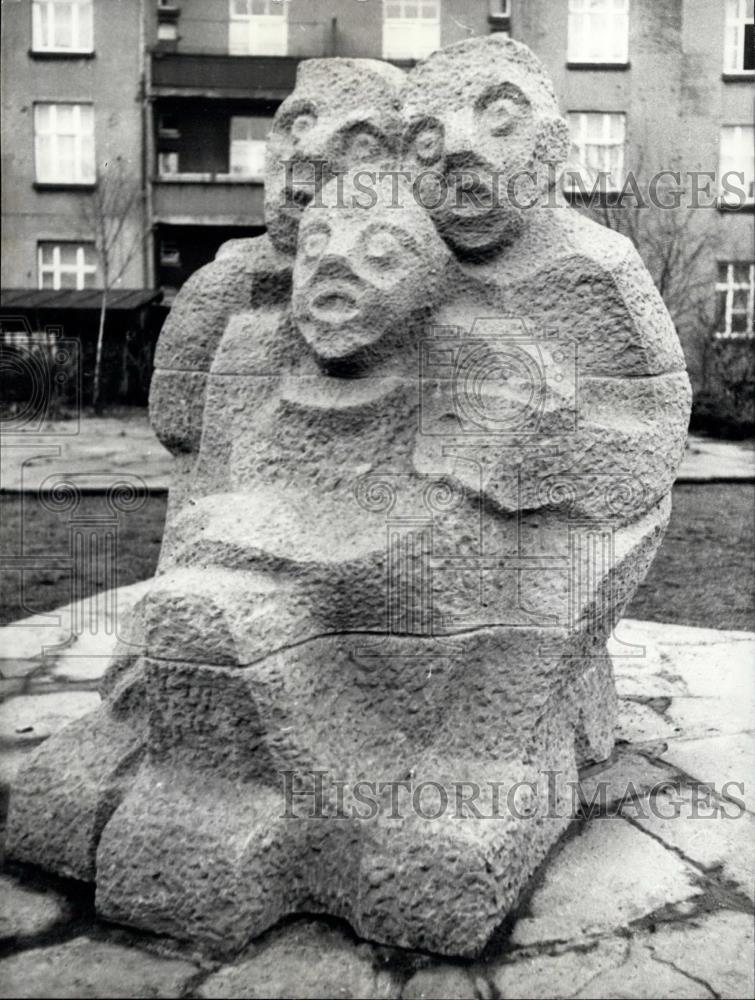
column 216, row 73
column 179, row 74
column 208, row 200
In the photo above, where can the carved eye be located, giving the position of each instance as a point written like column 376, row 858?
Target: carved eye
column 362, row 145
column 501, row 108
column 428, row 143
column 382, row 247
column 501, row 116
column 302, row 123
column 313, row 243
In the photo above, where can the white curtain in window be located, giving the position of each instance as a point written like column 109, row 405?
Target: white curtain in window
column 411, row 28
column 598, row 147
column 247, row 146
column 64, row 143
column 598, row 31
column 738, row 157
column 62, row 25
column 258, row 27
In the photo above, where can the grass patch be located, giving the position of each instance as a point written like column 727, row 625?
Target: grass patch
column 44, row 536
column 703, row 574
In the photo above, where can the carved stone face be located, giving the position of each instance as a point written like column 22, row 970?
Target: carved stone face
column 342, row 115
column 474, row 132
column 361, row 271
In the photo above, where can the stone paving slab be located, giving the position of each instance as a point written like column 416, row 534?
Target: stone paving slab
column 650, row 893
column 308, row 959
column 629, row 876
column 85, row 968
column 28, row 912
column 96, row 449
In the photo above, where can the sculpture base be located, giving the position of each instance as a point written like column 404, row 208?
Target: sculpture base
column 350, row 775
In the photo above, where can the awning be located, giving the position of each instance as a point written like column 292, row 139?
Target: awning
column 90, row 298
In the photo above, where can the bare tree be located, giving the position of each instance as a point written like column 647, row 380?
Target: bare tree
column 675, row 244
column 113, row 214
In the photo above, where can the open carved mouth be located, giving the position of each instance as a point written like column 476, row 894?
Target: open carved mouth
column 471, row 201
column 335, row 304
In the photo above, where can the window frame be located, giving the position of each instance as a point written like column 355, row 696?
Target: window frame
column 746, row 168
column 252, row 21
column 413, row 24
column 81, row 269
column 172, row 31
column 738, row 20
column 257, row 175
column 83, row 177
column 37, row 30
column 612, row 186
column 169, row 258
column 578, row 51
column 728, row 288
column 162, row 156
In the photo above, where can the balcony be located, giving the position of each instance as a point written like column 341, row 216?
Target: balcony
column 216, row 73
column 178, row 74
column 207, row 200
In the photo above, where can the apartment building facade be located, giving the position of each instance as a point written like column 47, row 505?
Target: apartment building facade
column 185, row 90
column 73, row 180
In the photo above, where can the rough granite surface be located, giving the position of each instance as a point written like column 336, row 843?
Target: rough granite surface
column 424, row 453
column 591, row 925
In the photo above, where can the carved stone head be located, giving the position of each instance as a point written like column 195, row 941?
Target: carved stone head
column 368, row 261
column 482, row 125
column 343, row 114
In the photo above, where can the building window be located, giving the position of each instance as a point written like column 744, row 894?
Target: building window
column 411, row 28
column 597, row 150
column 258, row 28
column 64, row 143
column 62, row 26
column 598, row 31
column 30, row 341
column 168, row 127
column 170, row 254
column 737, row 158
column 247, row 153
column 167, row 31
column 739, row 47
column 735, row 291
column 167, row 163
column 67, row 265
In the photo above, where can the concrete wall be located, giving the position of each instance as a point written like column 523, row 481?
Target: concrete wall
column 111, row 79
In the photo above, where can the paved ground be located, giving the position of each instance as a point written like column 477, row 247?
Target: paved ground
column 96, row 449
column 649, row 895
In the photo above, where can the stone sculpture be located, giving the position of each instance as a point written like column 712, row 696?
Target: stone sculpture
column 424, row 456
